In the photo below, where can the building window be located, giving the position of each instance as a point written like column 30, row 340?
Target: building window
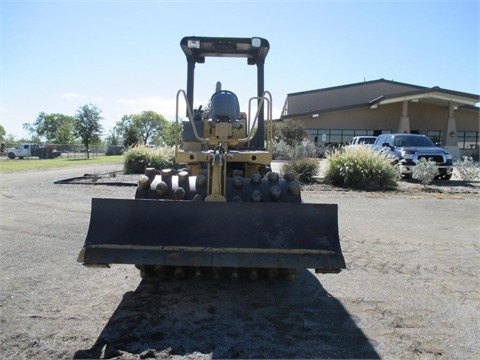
column 336, row 136
column 319, row 137
column 467, row 140
column 436, row 136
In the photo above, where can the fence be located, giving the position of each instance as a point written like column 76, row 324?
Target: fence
column 76, row 150
column 79, row 151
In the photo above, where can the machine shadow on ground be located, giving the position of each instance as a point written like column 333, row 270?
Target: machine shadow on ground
column 244, row 319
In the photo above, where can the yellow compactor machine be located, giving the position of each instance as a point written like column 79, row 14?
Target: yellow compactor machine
column 225, row 213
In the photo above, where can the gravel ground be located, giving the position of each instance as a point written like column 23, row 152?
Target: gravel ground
column 410, row 289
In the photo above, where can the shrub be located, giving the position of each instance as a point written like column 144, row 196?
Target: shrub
column 283, row 151
column 361, row 168
column 425, row 171
column 304, row 169
column 300, row 152
column 468, row 169
column 292, row 132
column 140, row 157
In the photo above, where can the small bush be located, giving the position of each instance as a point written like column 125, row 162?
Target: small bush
column 300, row 152
column 361, row 168
column 468, row 169
column 304, row 169
column 425, row 171
column 140, row 157
column 283, row 151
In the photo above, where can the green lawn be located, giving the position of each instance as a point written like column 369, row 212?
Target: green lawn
column 8, row 166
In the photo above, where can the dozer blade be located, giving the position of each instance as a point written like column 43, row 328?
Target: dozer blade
column 213, row 234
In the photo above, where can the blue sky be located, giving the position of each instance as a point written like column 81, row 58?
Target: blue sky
column 124, row 56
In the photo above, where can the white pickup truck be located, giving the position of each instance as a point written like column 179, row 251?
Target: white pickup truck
column 363, row 140
column 33, row 150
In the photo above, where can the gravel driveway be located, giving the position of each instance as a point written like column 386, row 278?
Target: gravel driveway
column 410, row 289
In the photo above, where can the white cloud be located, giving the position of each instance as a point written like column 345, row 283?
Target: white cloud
column 82, row 98
column 161, row 105
column 71, row 96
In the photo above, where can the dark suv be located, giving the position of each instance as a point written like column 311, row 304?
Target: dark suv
column 407, row 149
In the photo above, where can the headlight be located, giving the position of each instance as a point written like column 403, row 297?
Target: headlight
column 193, row 44
column 256, row 42
column 407, row 154
column 448, row 156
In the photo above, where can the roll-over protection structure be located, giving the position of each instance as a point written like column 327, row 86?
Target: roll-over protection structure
column 225, row 212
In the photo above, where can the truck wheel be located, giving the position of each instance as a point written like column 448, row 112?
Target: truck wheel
column 11, row 155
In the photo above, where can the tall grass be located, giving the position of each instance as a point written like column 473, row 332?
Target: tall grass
column 140, row 157
column 362, row 169
column 305, row 169
column 468, row 169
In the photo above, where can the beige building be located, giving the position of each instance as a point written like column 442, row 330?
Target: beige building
column 336, row 114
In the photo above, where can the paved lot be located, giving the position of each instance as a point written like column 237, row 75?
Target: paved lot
column 410, row 290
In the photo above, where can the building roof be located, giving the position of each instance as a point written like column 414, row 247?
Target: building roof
column 371, row 94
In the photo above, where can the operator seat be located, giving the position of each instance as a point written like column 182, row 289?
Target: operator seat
column 225, row 108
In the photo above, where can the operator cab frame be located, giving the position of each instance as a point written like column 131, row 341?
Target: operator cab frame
column 255, row 49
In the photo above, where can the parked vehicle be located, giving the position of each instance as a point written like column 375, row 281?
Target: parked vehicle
column 407, row 149
column 363, row 140
column 33, row 150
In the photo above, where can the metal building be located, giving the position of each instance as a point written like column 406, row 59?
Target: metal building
column 336, row 114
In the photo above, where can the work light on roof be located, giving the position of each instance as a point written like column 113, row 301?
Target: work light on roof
column 193, row 44
column 256, row 42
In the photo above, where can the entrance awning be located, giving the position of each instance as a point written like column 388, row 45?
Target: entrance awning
column 434, row 96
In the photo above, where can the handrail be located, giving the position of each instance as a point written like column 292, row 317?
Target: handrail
column 269, row 121
column 266, row 96
column 190, row 117
column 259, row 107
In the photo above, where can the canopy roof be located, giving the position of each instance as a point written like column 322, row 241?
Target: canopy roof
column 373, row 94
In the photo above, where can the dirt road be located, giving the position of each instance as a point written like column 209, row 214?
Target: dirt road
column 410, row 290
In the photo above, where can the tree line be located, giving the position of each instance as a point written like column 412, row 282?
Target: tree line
column 85, row 127
column 145, row 128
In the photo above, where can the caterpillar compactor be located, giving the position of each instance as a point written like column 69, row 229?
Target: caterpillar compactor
column 225, row 213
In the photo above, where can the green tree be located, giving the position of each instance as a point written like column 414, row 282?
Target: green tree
column 2, row 133
column 87, row 125
column 167, row 136
column 293, row 133
column 131, row 136
column 150, row 124
column 55, row 128
column 33, row 136
column 112, row 137
column 141, row 128
column 127, row 129
column 11, row 141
